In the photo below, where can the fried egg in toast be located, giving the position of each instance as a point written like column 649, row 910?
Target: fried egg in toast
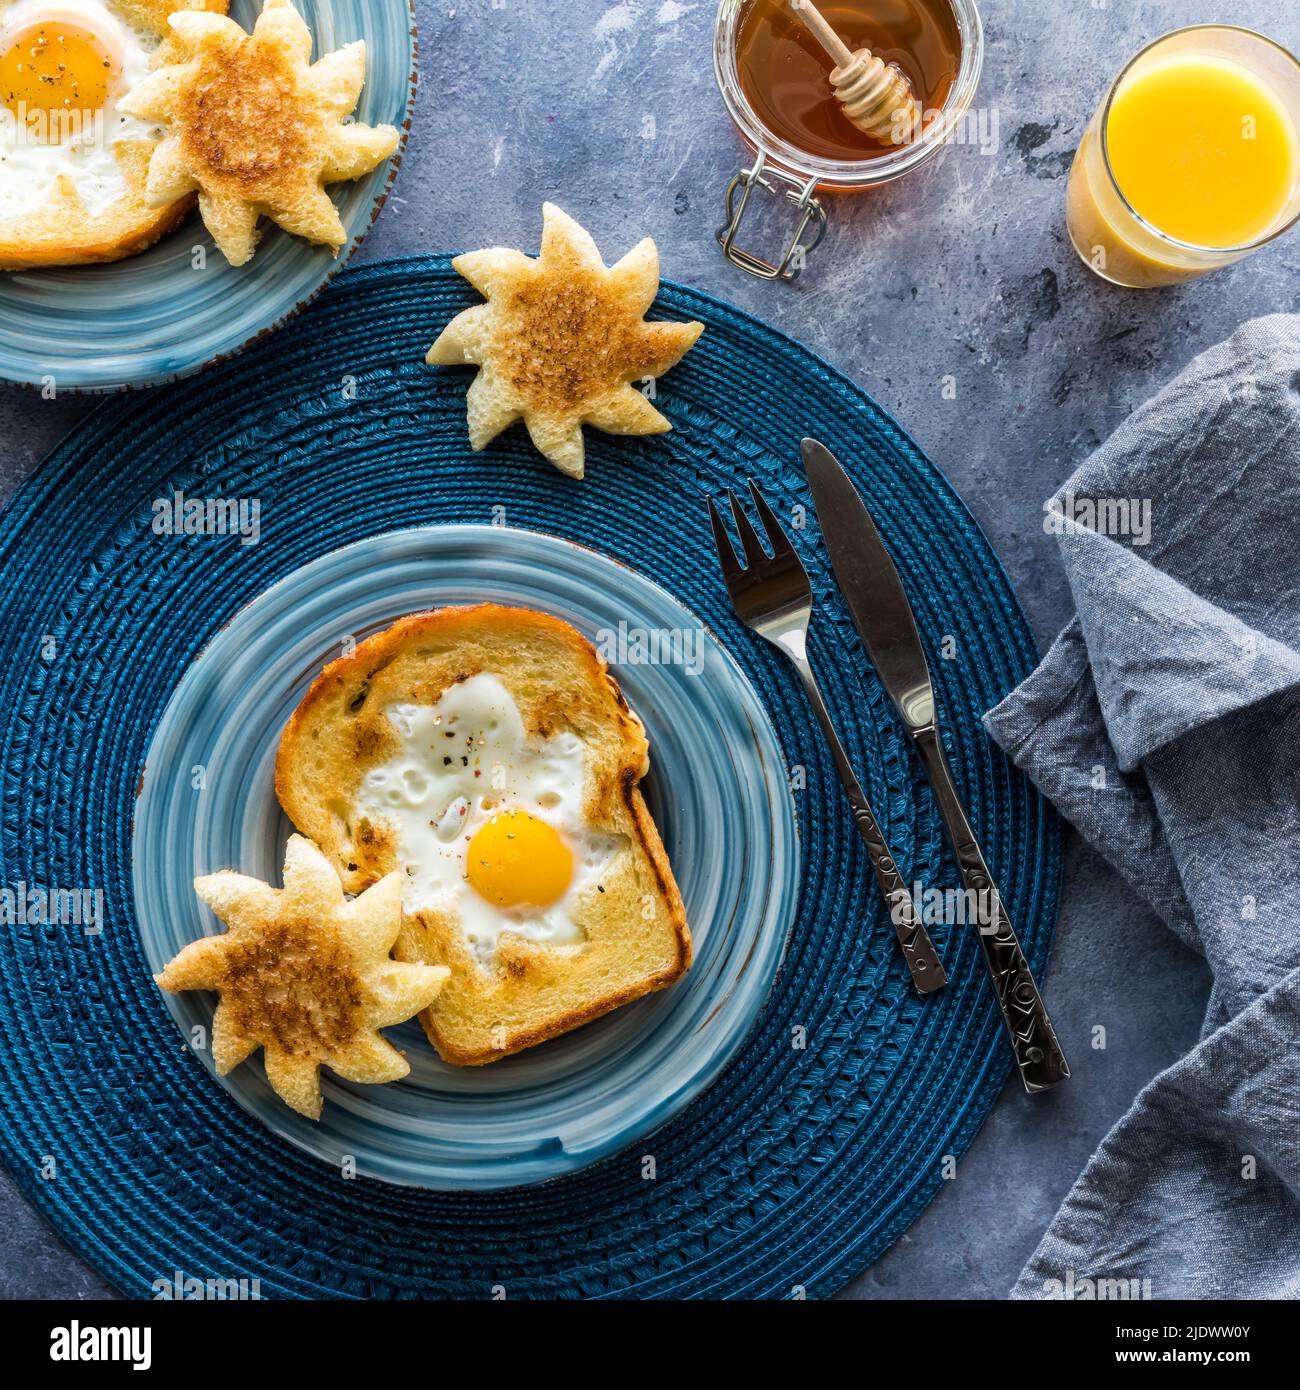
column 73, row 165
column 488, row 755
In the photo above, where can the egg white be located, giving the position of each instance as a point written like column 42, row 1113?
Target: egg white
column 461, row 761
column 29, row 171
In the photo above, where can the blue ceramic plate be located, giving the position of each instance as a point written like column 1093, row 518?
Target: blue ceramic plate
column 717, row 789
column 152, row 317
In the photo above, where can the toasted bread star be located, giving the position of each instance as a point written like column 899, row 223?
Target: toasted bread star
column 257, row 127
column 305, row 975
column 560, row 340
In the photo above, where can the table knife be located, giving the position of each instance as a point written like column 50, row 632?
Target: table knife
column 885, row 622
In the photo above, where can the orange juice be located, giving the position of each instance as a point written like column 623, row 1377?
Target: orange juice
column 1194, row 160
column 1203, row 150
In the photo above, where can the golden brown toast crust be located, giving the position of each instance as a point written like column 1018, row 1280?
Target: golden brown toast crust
column 112, row 237
column 637, row 937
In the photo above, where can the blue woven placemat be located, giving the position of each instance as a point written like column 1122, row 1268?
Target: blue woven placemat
column 824, row 1139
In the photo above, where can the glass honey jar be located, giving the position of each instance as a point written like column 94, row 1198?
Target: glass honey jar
column 775, row 83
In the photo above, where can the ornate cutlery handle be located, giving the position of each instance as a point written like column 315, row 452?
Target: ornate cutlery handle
column 928, row 974
column 1033, row 1039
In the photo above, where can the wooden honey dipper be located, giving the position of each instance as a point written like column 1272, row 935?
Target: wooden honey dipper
column 877, row 98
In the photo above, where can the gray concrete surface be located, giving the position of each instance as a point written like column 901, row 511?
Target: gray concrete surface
column 963, row 269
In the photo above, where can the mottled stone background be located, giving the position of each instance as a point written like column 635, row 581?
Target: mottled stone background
column 963, row 269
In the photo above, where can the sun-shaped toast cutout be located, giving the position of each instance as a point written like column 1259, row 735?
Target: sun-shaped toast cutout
column 257, row 127
column 560, row 341
column 305, row 975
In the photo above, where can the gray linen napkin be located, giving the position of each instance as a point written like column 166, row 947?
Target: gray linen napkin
column 1165, row 724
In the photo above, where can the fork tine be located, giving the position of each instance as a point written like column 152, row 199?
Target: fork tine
column 731, row 568
column 753, row 547
column 775, row 531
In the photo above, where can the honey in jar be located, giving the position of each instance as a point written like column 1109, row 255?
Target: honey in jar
column 784, row 72
column 777, row 83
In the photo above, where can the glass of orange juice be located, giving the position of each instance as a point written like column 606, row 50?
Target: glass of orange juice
column 1192, row 161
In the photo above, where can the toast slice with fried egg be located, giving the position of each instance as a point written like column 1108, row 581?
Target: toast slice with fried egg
column 488, row 754
column 73, row 165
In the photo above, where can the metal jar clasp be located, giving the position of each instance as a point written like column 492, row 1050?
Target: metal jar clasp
column 800, row 194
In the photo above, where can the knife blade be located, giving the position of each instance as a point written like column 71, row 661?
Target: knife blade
column 871, row 587
column 882, row 614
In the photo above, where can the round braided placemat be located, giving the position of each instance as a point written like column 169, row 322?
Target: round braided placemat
column 825, row 1137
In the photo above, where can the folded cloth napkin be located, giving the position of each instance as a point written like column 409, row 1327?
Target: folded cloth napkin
column 1165, row 724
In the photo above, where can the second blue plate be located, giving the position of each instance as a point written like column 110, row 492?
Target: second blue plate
column 717, row 788
column 172, row 310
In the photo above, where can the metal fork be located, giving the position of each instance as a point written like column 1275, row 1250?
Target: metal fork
column 772, row 596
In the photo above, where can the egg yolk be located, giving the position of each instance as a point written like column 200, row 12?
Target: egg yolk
column 517, row 860
column 55, row 69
